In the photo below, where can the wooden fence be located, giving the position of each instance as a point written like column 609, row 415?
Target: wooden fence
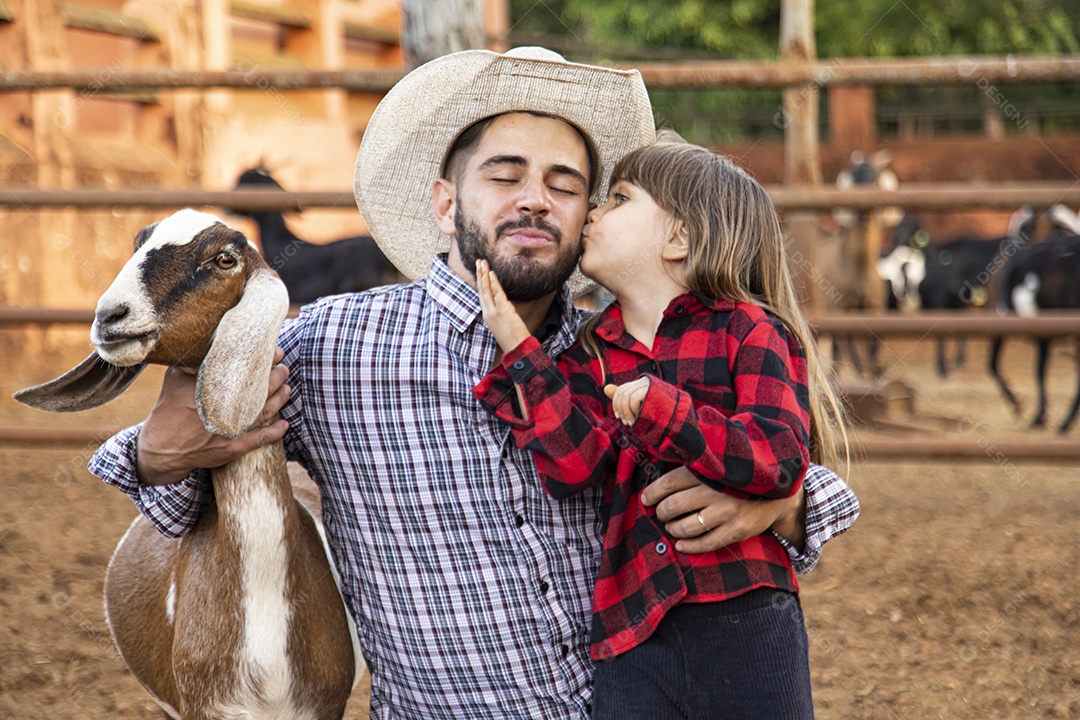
column 799, row 73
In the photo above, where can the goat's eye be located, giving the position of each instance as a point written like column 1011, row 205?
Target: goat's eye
column 225, row 261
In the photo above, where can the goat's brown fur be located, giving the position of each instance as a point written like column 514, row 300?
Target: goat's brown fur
column 196, row 664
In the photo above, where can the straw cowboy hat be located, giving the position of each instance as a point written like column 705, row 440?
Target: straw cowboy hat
column 410, row 131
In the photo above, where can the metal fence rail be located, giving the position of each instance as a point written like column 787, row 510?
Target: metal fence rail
column 948, row 324
column 917, row 325
column 925, row 196
column 952, row 70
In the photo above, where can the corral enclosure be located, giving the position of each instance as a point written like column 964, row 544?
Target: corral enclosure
column 954, row 596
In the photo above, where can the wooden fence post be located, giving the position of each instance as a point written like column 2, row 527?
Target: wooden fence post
column 430, row 30
column 497, row 25
column 802, row 165
column 321, row 46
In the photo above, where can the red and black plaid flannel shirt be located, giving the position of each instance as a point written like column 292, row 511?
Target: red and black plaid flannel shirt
column 727, row 399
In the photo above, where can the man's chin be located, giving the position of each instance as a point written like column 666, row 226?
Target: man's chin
column 527, row 278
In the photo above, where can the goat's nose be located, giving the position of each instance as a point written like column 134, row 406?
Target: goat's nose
column 111, row 314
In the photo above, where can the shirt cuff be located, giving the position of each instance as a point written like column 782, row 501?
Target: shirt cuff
column 172, row 509
column 658, row 411
column 831, row 508
column 526, row 361
column 496, row 391
column 115, row 461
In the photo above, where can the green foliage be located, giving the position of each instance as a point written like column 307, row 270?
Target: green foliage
column 738, row 29
column 886, row 28
column 749, row 29
column 608, row 30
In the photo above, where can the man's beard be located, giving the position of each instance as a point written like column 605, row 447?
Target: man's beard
column 523, row 276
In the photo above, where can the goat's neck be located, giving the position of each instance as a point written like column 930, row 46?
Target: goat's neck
column 255, row 488
column 258, row 531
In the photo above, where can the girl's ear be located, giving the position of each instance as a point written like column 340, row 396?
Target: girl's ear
column 444, row 202
column 677, row 246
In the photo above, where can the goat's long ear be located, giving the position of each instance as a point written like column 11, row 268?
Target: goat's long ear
column 233, row 379
column 92, row 383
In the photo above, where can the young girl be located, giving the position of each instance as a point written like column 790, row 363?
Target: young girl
column 703, row 360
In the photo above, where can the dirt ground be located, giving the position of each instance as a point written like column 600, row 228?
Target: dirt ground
column 954, row 596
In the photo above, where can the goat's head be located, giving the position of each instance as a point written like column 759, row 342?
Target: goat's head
column 258, row 176
column 195, row 294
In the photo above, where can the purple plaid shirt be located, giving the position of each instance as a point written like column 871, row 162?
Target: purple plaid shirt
column 470, row 586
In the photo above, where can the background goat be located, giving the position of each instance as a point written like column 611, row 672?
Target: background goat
column 311, row 270
column 954, row 275
column 241, row 617
column 1042, row 276
column 845, row 259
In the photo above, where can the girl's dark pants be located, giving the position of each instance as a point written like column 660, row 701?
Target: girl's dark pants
column 743, row 658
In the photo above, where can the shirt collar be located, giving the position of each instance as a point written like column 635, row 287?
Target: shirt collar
column 461, row 304
column 457, row 298
column 553, row 321
column 612, row 329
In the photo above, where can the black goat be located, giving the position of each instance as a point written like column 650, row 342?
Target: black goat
column 1042, row 276
column 952, row 275
column 310, row 270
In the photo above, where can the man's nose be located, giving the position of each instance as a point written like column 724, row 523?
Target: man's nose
column 535, row 198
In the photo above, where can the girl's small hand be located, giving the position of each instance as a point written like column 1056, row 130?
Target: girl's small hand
column 627, row 399
column 499, row 313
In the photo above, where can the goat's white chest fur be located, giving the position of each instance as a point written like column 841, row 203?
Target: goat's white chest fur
column 260, row 532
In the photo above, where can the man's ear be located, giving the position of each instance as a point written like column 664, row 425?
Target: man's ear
column 677, row 246
column 444, row 202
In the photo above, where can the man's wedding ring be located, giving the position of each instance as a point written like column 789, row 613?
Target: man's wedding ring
column 704, row 527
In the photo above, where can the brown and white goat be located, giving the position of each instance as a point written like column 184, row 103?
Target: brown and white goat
column 241, row 617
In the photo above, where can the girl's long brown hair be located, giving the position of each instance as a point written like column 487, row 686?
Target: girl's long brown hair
column 736, row 251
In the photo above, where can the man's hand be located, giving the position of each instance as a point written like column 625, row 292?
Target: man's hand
column 173, row 441
column 627, row 399
column 499, row 313
column 681, row 499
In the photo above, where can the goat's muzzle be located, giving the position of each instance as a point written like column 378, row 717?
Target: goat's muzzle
column 111, row 314
column 117, row 339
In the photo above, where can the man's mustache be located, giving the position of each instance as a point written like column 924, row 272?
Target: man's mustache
column 536, row 223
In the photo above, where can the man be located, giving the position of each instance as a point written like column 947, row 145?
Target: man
column 470, row 586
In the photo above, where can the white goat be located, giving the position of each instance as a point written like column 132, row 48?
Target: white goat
column 242, row 616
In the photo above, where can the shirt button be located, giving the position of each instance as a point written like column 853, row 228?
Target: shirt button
column 519, row 365
column 518, row 520
column 544, row 586
column 565, row 650
column 679, row 309
column 661, row 547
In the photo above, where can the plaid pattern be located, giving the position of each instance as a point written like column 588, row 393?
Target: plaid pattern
column 470, row 586
column 727, row 399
